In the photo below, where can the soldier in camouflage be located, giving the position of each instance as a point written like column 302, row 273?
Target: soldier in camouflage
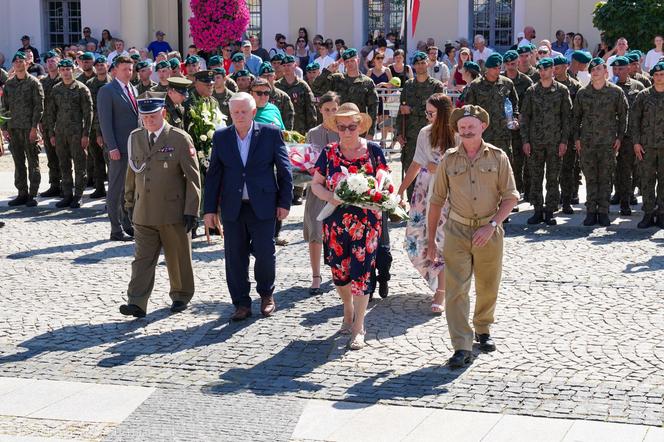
column 51, row 79
column 412, row 111
column 525, row 64
column 635, row 70
column 312, row 71
column 243, row 79
column 96, row 149
column 202, row 91
column 647, row 128
column 625, row 169
column 86, row 62
column 301, row 96
column 490, row 92
column 177, row 95
column 145, row 83
column 545, row 125
column 570, row 167
column 220, row 91
column 278, row 97
column 600, row 121
column 23, row 102
column 353, row 86
column 163, row 72
column 521, row 83
column 70, row 121
column 216, row 62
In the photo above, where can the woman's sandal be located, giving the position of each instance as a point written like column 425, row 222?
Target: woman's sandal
column 316, row 290
column 437, row 309
column 357, row 341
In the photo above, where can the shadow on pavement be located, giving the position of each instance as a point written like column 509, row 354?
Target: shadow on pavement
column 58, row 249
column 653, row 264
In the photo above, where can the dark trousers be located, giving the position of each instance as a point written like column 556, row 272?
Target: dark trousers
column 96, row 165
column 244, row 236
column 24, row 151
column 54, row 175
column 381, row 272
column 117, row 172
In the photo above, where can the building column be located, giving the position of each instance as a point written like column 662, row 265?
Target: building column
column 135, row 24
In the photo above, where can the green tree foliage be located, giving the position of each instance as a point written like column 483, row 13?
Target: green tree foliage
column 636, row 20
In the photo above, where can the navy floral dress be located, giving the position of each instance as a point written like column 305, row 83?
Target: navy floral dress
column 350, row 234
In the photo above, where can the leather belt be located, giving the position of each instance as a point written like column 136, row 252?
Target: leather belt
column 470, row 222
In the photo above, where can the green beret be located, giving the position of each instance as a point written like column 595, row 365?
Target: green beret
column 142, row 65
column 20, row 55
column 204, row 76
column 419, row 56
column 288, row 59
column 180, row 84
column 659, row 67
column 526, row 49
column 472, row 66
column 277, row 57
column 86, row 56
column 241, row 73
column 50, row 54
column 174, row 63
column 265, row 68
column 349, row 53
column 215, row 60
column 192, row 59
column 632, row 57
column 468, row 110
column 510, row 56
column 560, row 60
column 637, row 53
column 595, row 62
column 163, row 64
column 135, row 57
column 581, row 56
column 220, row 71
column 544, row 63
column 620, row 61
column 312, row 67
column 238, row 56
column 532, row 47
column 66, row 63
column 494, row 61
column 100, row 59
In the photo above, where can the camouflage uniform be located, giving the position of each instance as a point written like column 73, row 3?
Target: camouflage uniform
column 54, row 175
column 84, row 78
column 142, row 88
column 415, row 95
column 545, row 124
column 491, row 97
column 23, row 100
column 359, row 90
column 223, row 98
column 231, row 85
column 70, row 114
column 600, row 118
column 160, row 88
column 283, row 102
column 520, row 164
column 95, row 151
column 642, row 78
column 647, row 129
column 174, row 113
column 303, row 103
column 570, row 169
column 625, row 170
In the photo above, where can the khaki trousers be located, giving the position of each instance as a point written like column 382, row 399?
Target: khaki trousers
column 177, row 252
column 462, row 260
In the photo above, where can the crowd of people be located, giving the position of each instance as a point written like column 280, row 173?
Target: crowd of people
column 478, row 131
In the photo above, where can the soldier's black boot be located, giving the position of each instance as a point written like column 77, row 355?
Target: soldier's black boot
column 75, row 202
column 603, row 219
column 591, row 219
column 575, row 199
column 549, row 218
column 18, row 201
column 567, row 208
column 52, row 191
column 615, row 199
column 660, row 221
column 625, row 210
column 536, row 218
column 31, row 202
column 647, row 221
column 64, row 202
column 99, row 192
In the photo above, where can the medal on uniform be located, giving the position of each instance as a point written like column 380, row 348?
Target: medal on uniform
column 165, row 165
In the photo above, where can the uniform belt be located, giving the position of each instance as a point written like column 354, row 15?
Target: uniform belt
column 470, row 222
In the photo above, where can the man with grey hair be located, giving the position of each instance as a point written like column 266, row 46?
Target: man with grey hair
column 249, row 181
column 481, row 52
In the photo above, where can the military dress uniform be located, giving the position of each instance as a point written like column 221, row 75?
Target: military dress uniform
column 54, row 175
column 95, row 151
column 70, row 111
column 23, row 100
column 161, row 188
column 545, row 124
column 303, row 103
column 600, row 118
column 174, row 114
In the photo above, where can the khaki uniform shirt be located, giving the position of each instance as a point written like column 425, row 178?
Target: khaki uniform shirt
column 475, row 188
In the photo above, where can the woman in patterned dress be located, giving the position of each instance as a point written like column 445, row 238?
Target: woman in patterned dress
column 432, row 142
column 350, row 234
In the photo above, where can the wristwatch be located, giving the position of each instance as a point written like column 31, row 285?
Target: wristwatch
column 493, row 223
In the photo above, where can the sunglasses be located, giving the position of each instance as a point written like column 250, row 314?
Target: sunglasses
column 379, row 58
column 349, row 128
column 542, row 52
column 261, row 93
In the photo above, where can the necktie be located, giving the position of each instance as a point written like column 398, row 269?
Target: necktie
column 132, row 99
column 153, row 138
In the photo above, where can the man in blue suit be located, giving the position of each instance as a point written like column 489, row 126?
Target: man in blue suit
column 242, row 182
column 118, row 116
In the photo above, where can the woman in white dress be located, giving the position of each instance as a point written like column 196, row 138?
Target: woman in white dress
column 432, row 142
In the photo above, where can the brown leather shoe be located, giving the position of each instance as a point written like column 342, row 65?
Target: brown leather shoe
column 267, row 305
column 241, row 313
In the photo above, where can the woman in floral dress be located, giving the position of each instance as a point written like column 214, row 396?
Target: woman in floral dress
column 432, row 142
column 350, row 234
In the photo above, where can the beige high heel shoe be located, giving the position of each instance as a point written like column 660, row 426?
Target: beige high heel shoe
column 437, row 309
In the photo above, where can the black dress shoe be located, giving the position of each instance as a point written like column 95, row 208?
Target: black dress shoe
column 99, row 193
column 567, row 209
column 75, row 203
column 647, row 221
column 460, row 359
column 120, row 236
column 178, row 306
column 51, row 192
column 31, row 202
column 591, row 219
column 132, row 310
column 64, row 202
column 383, row 289
column 536, row 218
column 297, row 201
column 603, row 219
column 18, row 201
column 486, row 343
column 129, row 231
column 549, row 218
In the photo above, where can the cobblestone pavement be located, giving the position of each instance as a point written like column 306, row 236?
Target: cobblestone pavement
column 579, row 326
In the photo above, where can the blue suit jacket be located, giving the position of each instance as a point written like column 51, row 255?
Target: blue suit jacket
column 227, row 175
column 117, row 117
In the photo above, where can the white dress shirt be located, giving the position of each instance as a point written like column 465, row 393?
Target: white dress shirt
column 243, row 145
column 124, row 87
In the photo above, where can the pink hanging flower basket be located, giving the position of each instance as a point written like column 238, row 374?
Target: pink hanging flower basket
column 215, row 22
